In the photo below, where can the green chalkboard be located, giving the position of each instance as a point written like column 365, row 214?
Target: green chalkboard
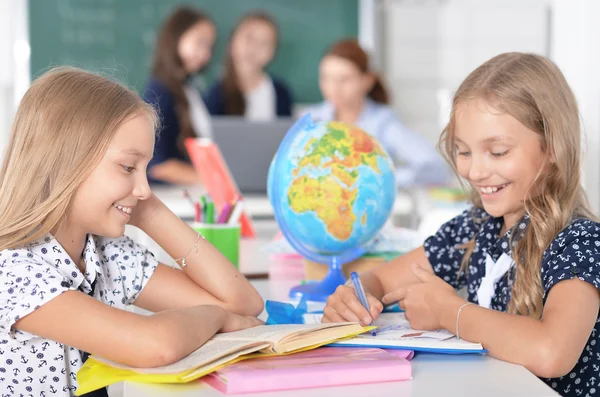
column 117, row 36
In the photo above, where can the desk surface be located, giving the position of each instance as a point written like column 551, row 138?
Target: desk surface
column 433, row 374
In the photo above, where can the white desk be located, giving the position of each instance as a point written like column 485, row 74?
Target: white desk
column 433, row 374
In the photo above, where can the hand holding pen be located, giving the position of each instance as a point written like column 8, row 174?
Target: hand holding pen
column 344, row 305
column 360, row 293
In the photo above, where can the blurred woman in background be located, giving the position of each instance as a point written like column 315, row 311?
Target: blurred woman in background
column 183, row 48
column 246, row 89
column 356, row 95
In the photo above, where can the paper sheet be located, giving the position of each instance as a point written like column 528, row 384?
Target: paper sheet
column 271, row 333
column 391, row 326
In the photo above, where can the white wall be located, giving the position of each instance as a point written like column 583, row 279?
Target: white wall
column 575, row 47
column 14, row 68
column 431, row 46
column 6, row 69
column 369, row 31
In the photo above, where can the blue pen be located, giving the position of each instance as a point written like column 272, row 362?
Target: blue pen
column 360, row 292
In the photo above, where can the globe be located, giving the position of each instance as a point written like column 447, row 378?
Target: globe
column 332, row 187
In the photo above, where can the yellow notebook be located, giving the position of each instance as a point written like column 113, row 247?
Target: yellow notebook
column 221, row 350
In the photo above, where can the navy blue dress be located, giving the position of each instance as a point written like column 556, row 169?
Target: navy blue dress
column 165, row 147
column 215, row 99
column 574, row 252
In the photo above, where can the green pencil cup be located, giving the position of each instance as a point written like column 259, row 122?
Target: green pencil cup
column 224, row 237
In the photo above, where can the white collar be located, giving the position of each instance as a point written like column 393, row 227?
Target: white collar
column 494, row 271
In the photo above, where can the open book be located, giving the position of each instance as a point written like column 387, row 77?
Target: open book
column 222, row 349
column 394, row 332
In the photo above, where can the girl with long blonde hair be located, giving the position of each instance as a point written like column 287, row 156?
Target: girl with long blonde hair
column 74, row 175
column 528, row 251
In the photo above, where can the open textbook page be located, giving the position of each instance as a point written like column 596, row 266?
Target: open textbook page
column 394, row 331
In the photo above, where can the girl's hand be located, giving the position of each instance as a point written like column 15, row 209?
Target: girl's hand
column 145, row 211
column 235, row 322
column 343, row 305
column 422, row 302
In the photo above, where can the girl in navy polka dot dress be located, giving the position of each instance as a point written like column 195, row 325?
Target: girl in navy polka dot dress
column 73, row 176
column 528, row 251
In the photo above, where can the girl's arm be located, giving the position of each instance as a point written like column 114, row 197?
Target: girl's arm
column 549, row 347
column 208, row 278
column 395, row 274
column 343, row 305
column 398, row 274
column 77, row 320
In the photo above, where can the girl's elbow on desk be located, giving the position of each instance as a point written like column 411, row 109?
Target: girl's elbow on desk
column 246, row 303
column 548, row 362
column 543, row 357
column 257, row 306
column 149, row 350
column 163, row 340
column 152, row 348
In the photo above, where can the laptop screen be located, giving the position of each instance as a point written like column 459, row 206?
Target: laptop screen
column 248, row 149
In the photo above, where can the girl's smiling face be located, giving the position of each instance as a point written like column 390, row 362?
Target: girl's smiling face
column 499, row 156
column 104, row 200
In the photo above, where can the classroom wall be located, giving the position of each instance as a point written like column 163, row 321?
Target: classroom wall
column 575, row 36
column 6, row 68
column 431, row 46
column 14, row 68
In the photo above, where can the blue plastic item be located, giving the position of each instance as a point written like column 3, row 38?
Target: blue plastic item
column 285, row 313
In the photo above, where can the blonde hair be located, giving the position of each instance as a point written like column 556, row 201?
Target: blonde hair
column 60, row 133
column 533, row 90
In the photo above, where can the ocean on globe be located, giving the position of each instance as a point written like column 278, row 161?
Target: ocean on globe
column 332, row 186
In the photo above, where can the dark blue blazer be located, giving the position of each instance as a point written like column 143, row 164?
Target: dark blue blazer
column 215, row 99
column 165, row 148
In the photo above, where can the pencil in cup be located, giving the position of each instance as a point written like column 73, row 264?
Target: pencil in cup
column 224, row 237
column 235, row 213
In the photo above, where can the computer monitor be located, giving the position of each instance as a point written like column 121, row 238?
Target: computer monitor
column 248, row 148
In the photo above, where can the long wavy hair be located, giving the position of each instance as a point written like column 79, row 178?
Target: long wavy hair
column 235, row 102
column 167, row 65
column 533, row 90
column 61, row 131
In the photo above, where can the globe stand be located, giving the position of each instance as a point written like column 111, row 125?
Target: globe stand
column 320, row 291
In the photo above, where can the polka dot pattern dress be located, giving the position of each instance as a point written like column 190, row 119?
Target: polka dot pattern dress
column 574, row 253
column 35, row 274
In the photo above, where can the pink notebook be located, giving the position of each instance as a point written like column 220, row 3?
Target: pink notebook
column 326, row 366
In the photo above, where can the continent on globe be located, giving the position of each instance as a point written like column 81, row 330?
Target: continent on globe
column 340, row 151
column 310, row 194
